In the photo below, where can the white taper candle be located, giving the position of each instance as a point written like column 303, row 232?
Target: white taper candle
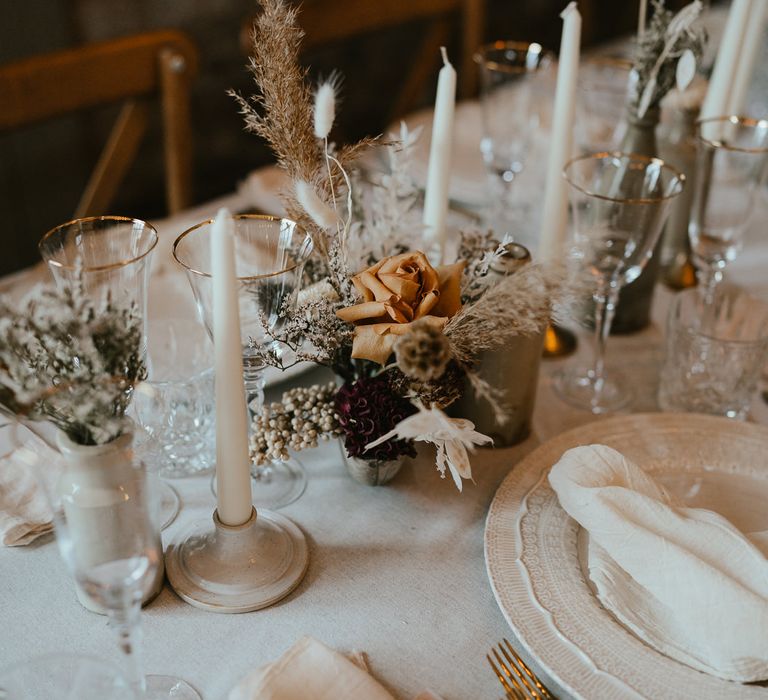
column 233, row 474
column 718, row 99
column 641, row 15
column 554, row 219
column 753, row 39
column 439, row 173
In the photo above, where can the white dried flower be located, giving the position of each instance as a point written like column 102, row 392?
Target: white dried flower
column 323, row 215
column 325, row 106
column 451, row 436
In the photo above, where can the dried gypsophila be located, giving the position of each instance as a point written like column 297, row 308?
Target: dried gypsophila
column 68, row 361
column 303, row 417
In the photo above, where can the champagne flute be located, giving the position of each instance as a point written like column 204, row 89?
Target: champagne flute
column 619, row 202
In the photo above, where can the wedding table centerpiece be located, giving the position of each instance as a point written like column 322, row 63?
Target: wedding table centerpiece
column 397, row 315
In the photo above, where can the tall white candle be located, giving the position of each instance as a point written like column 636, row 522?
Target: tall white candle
column 718, row 99
column 233, row 474
column 554, row 220
column 641, row 15
column 439, row 173
column 751, row 46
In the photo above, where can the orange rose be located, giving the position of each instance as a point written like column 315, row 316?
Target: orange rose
column 396, row 292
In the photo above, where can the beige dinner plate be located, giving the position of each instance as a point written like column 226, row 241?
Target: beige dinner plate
column 534, row 560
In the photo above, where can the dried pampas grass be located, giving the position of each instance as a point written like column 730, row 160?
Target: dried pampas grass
column 296, row 122
column 282, row 112
column 519, row 304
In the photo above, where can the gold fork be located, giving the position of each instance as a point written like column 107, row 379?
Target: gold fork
column 518, row 681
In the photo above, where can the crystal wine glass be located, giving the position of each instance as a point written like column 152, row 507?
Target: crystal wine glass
column 103, row 524
column 620, row 202
column 508, row 73
column 112, row 256
column 270, row 254
column 732, row 153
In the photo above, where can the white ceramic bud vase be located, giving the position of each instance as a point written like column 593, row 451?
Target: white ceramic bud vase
column 94, row 490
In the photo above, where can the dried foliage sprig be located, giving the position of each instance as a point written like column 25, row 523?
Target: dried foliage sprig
column 519, row 304
column 69, row 361
column 666, row 39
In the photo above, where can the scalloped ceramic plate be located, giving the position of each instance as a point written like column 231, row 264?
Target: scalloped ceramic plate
column 534, row 552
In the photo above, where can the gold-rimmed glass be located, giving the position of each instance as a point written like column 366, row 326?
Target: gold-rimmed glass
column 270, row 254
column 619, row 203
column 510, row 72
column 731, row 160
column 111, row 254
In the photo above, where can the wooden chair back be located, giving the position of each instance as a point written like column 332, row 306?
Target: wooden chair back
column 329, row 22
column 131, row 71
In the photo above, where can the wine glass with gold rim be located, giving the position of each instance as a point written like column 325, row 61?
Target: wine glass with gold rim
column 731, row 160
column 270, row 254
column 619, row 203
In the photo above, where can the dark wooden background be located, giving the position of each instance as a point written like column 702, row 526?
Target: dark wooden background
column 43, row 169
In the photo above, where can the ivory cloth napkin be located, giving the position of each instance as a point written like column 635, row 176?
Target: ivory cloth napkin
column 310, row 669
column 685, row 580
column 25, row 513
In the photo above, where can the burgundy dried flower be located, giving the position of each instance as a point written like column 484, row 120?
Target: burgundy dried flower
column 367, row 409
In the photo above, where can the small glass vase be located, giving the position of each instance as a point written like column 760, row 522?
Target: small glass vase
column 371, row 472
column 93, row 491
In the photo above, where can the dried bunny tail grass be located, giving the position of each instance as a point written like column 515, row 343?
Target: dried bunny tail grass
column 520, row 304
column 286, row 99
column 320, row 212
column 324, row 111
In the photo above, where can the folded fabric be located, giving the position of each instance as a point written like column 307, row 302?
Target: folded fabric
column 310, row 669
column 685, row 580
column 25, row 513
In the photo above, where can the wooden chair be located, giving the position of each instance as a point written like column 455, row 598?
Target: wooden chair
column 130, row 71
column 328, row 22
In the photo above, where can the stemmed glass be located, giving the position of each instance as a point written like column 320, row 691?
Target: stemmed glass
column 731, row 160
column 270, row 254
column 111, row 256
column 102, row 518
column 619, row 202
column 508, row 73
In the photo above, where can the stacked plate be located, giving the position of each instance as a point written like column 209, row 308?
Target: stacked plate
column 536, row 554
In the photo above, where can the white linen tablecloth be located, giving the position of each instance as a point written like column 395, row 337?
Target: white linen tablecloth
column 395, row 571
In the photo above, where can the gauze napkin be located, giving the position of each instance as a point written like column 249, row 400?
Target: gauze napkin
column 310, row 669
column 685, row 580
column 25, row 513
